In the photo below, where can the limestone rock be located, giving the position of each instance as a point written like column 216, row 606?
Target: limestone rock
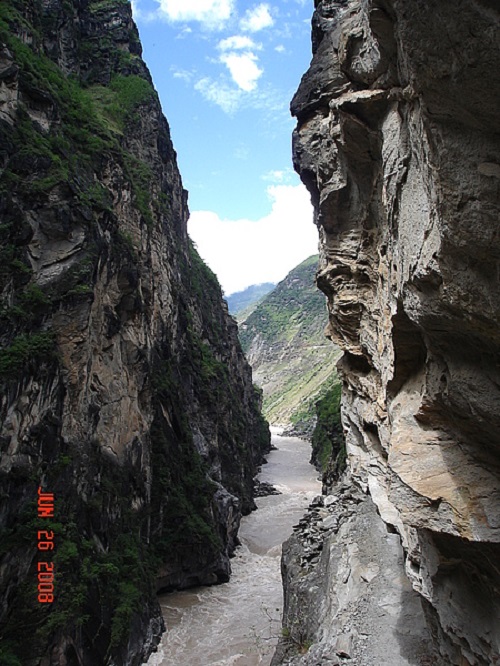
column 355, row 604
column 397, row 140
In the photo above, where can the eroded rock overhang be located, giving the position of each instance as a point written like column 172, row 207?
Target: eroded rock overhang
column 398, row 142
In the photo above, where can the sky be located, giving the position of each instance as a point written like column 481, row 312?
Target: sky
column 225, row 71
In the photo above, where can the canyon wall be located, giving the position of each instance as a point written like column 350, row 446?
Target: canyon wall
column 398, row 142
column 124, row 390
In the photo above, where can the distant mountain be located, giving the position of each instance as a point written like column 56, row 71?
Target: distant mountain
column 291, row 359
column 243, row 302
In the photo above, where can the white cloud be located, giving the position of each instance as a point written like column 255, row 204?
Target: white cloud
column 278, row 175
column 140, row 15
column 183, row 74
column 272, row 102
column 135, row 9
column 239, row 57
column 245, row 252
column 220, row 94
column 257, row 19
column 211, row 13
column 275, row 176
column 243, row 69
column 280, row 48
column 185, row 32
column 238, row 42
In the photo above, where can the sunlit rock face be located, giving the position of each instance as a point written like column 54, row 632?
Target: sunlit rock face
column 398, row 141
column 124, row 391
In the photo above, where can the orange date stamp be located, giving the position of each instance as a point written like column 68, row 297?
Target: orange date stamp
column 45, row 543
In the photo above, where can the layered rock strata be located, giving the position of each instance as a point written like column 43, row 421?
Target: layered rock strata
column 398, row 142
column 124, row 391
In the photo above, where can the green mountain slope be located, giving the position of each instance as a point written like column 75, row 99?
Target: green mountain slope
column 291, row 359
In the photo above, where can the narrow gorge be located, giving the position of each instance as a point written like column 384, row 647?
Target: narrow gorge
column 398, row 142
column 130, row 427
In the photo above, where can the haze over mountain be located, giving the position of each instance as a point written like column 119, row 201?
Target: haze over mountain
column 241, row 303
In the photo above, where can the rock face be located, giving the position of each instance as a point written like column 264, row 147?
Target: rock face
column 124, row 391
column 398, row 143
column 350, row 601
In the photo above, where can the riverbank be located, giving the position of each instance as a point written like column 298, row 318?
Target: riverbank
column 238, row 623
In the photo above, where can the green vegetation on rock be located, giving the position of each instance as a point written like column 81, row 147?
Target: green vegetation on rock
column 291, row 309
column 116, row 103
column 181, row 487
column 98, row 5
column 294, row 364
column 92, row 119
column 328, row 446
column 101, row 289
column 112, row 579
column 26, row 349
column 285, row 343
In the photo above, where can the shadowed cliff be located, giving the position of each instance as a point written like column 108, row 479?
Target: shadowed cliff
column 124, row 390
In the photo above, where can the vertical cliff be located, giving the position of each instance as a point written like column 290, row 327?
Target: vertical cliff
column 124, row 391
column 398, row 142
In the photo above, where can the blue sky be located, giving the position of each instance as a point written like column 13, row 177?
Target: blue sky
column 225, row 71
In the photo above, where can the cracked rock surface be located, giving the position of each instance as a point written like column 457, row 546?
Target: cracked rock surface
column 347, row 598
column 398, row 141
column 124, row 391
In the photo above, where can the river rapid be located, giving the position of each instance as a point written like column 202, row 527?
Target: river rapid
column 238, row 623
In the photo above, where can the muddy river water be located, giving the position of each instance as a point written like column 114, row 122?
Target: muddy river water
column 238, row 623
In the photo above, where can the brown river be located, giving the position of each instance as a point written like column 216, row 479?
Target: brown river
column 238, row 623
